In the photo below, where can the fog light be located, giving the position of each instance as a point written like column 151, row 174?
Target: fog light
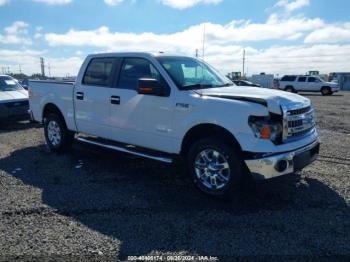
column 281, row 166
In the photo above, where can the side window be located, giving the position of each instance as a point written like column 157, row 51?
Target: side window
column 311, row 80
column 99, row 72
column 288, row 78
column 302, row 79
column 135, row 68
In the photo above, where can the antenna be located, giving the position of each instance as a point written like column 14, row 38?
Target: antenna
column 243, row 62
column 196, row 53
column 203, row 50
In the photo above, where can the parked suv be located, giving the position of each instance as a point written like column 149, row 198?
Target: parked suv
column 162, row 107
column 294, row 83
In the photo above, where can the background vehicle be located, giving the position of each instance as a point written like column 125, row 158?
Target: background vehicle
column 244, row 83
column 13, row 99
column 162, row 107
column 264, row 80
column 25, row 84
column 294, row 83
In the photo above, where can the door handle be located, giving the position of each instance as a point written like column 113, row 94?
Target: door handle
column 115, row 100
column 80, row 95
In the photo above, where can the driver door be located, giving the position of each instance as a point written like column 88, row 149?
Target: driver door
column 140, row 119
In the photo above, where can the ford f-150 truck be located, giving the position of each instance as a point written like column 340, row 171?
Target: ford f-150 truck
column 161, row 107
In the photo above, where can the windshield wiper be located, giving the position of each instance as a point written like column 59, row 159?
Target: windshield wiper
column 224, row 85
column 196, row 86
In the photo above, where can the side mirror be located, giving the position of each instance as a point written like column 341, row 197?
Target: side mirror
column 149, row 86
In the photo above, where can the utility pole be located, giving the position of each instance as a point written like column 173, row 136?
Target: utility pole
column 243, row 62
column 42, row 65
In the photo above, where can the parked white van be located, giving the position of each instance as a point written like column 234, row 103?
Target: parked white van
column 294, row 83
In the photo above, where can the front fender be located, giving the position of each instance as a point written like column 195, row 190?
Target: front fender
column 229, row 114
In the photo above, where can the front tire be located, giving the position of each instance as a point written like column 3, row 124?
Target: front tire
column 58, row 137
column 215, row 167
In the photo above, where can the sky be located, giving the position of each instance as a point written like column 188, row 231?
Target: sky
column 279, row 36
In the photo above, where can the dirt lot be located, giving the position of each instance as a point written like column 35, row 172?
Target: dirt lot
column 96, row 203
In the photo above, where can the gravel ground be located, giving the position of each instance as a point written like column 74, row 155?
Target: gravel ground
column 97, row 204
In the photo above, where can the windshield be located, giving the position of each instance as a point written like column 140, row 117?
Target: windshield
column 9, row 84
column 190, row 73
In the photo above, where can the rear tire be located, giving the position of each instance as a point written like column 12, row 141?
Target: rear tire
column 290, row 89
column 326, row 91
column 58, row 137
column 215, row 167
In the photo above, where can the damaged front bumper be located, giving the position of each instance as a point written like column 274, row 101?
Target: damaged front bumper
column 284, row 163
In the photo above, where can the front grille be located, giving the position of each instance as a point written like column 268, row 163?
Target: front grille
column 295, row 123
column 298, row 122
column 299, row 111
column 17, row 104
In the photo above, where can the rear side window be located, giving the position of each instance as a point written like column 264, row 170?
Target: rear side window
column 311, row 79
column 288, row 78
column 135, row 68
column 302, row 79
column 99, row 72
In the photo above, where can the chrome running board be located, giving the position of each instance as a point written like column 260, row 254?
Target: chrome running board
column 125, row 150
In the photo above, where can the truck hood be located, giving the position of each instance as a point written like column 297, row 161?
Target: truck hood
column 8, row 96
column 271, row 98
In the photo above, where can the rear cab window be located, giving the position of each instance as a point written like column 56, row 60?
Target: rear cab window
column 99, row 72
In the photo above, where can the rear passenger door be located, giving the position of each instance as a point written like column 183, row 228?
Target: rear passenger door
column 313, row 84
column 302, row 84
column 92, row 97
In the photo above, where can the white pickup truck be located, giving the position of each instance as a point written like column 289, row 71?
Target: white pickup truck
column 161, row 107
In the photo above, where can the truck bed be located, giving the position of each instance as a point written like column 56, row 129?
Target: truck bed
column 59, row 93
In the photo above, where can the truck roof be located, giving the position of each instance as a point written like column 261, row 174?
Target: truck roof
column 132, row 54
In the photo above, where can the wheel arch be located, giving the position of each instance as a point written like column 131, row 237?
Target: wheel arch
column 207, row 130
column 51, row 108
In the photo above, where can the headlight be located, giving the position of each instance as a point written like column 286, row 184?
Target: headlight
column 269, row 128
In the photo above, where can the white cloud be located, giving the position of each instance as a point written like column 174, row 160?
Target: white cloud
column 18, row 27
column 290, row 5
column 224, row 44
column 113, row 2
column 330, row 34
column 16, row 34
column 296, row 59
column 183, row 4
column 3, row 2
column 234, row 32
